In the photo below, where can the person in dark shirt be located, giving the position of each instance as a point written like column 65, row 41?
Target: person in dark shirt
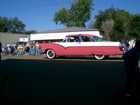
column 131, row 63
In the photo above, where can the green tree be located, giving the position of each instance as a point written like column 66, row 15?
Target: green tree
column 15, row 26
column 135, row 26
column 30, row 32
column 107, row 14
column 12, row 25
column 116, row 24
column 3, row 24
column 104, row 21
column 121, row 26
column 107, row 27
column 78, row 14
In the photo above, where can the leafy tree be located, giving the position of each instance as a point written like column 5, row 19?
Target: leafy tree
column 104, row 21
column 12, row 25
column 3, row 24
column 117, row 24
column 62, row 16
column 135, row 26
column 78, row 14
column 121, row 26
column 108, row 14
column 30, row 32
column 107, row 27
column 15, row 26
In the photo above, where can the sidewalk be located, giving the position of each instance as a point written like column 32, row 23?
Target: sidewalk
column 25, row 56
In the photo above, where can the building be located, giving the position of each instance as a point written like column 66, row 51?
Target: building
column 11, row 38
column 57, row 35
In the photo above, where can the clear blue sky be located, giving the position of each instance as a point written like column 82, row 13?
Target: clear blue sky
column 38, row 14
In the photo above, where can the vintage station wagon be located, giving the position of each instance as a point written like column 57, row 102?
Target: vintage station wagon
column 82, row 44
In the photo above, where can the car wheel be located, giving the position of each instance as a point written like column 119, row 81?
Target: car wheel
column 50, row 54
column 99, row 57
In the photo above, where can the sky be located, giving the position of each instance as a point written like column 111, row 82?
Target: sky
column 38, row 14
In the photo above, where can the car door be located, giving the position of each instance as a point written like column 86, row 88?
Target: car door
column 87, row 45
column 72, row 45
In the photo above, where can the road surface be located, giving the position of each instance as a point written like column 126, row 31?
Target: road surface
column 35, row 80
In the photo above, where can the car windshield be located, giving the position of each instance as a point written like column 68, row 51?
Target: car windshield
column 98, row 39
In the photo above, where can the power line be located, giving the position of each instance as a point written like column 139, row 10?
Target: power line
column 31, row 7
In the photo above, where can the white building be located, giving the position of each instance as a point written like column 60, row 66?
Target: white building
column 57, row 35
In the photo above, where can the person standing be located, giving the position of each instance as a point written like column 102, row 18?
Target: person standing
column 131, row 62
column 37, row 46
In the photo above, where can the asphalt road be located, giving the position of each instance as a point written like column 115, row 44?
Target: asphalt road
column 35, row 80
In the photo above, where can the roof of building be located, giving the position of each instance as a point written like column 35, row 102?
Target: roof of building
column 71, row 29
column 2, row 33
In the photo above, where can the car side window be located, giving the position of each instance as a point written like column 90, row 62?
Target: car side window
column 72, row 39
column 86, row 39
column 76, row 39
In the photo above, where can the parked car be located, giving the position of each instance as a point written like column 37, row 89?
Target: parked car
column 82, row 44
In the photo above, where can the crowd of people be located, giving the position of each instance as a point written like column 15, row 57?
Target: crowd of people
column 21, row 49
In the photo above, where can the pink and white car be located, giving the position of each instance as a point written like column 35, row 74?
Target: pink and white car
column 82, row 44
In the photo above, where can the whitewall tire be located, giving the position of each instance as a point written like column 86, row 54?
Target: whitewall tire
column 99, row 57
column 50, row 54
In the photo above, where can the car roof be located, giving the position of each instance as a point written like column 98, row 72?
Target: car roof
column 82, row 35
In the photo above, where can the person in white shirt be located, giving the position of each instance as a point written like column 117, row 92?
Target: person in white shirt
column 131, row 43
column 37, row 46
